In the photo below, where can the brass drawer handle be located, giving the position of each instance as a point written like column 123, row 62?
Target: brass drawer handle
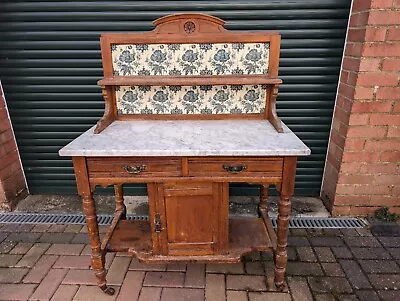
column 134, row 170
column 235, row 169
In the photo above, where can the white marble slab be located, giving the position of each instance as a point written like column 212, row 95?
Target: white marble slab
column 187, row 138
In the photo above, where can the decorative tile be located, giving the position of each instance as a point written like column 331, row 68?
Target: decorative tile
column 207, row 99
column 190, row 59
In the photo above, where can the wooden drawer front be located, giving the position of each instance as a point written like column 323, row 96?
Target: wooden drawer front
column 99, row 167
column 235, row 167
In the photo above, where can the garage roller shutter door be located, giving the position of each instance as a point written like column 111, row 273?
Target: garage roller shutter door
column 50, row 62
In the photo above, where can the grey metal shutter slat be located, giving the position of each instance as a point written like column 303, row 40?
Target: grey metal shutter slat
column 51, row 61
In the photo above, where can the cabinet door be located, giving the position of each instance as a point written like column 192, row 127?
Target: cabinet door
column 195, row 217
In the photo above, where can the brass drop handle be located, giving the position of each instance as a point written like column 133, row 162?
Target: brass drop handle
column 134, row 170
column 234, row 169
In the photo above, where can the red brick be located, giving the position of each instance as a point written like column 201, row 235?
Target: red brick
column 360, row 5
column 350, row 64
column 366, row 132
column 354, row 144
column 381, row 49
column 358, row 119
column 131, row 286
column 352, row 78
column 343, row 103
column 383, row 17
column 383, row 145
column 355, row 179
column 371, row 107
column 363, row 189
column 369, row 64
column 391, row 64
column 377, row 79
column 375, row 34
column 16, row 291
column 346, row 90
column 378, row 119
column 388, row 93
column 350, row 167
column 391, row 156
column 381, row 3
column 363, row 93
column 393, row 132
column 353, row 210
column 387, row 179
column 396, row 107
column 359, row 20
column 355, row 35
column 394, row 34
column 6, row 137
column 49, row 285
column 344, row 77
column 360, row 156
column 351, row 199
column 65, row 293
column 353, row 49
column 374, row 168
column 337, row 139
column 341, row 115
column 383, row 200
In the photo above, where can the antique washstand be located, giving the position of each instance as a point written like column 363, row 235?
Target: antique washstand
column 189, row 108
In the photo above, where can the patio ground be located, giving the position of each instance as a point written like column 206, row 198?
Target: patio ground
column 51, row 262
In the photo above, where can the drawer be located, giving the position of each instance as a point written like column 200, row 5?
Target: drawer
column 100, row 167
column 235, row 167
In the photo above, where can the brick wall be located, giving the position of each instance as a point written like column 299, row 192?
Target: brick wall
column 12, row 178
column 362, row 171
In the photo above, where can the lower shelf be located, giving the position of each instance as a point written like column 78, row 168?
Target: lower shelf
column 245, row 235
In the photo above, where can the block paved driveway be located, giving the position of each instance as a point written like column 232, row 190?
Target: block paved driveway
column 51, row 262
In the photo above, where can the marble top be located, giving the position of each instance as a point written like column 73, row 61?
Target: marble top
column 187, row 138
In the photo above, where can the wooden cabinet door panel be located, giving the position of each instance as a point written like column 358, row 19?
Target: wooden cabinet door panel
column 194, row 217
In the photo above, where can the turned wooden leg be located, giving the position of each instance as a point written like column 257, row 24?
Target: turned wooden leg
column 98, row 257
column 119, row 200
column 286, row 191
column 263, row 196
column 282, row 232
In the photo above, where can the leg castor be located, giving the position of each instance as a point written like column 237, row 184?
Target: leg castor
column 107, row 289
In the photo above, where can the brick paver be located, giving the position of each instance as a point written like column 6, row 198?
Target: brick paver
column 37, row 273
column 12, row 275
column 324, row 265
column 236, row 296
column 49, row 285
column 65, row 293
column 33, row 255
column 182, row 294
column 16, row 291
column 149, row 294
column 215, row 287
